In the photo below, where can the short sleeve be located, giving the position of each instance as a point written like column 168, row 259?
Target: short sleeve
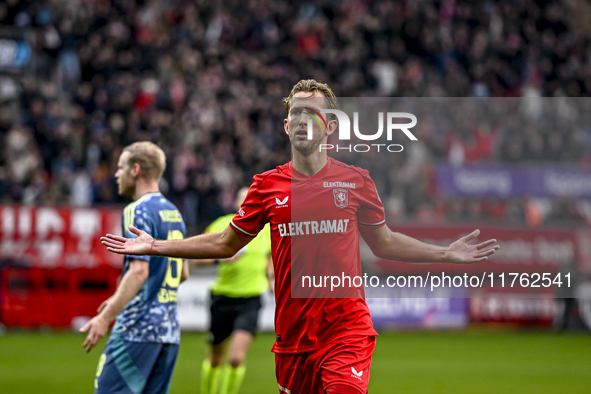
column 371, row 211
column 250, row 218
column 139, row 217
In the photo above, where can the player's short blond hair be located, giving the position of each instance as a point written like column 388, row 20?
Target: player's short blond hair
column 312, row 86
column 149, row 156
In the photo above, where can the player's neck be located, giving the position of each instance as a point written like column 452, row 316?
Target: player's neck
column 144, row 186
column 309, row 165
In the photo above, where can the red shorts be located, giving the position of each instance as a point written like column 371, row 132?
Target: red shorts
column 345, row 361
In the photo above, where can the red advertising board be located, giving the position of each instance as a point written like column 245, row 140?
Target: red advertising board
column 525, row 255
column 54, row 266
column 522, row 250
column 58, row 237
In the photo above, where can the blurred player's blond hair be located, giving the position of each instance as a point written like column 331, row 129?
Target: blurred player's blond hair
column 149, row 156
column 312, row 86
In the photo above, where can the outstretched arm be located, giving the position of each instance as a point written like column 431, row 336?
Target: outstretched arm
column 207, row 246
column 389, row 245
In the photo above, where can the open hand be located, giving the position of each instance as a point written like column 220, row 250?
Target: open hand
column 140, row 246
column 461, row 252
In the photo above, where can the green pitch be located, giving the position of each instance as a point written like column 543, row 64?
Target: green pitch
column 404, row 362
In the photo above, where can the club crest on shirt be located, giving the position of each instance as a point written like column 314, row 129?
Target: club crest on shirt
column 341, row 197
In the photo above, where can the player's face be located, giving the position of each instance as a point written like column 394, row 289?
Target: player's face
column 124, row 175
column 305, row 108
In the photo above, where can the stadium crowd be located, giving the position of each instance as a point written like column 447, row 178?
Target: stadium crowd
column 205, row 81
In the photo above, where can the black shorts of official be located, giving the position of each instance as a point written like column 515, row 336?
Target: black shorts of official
column 229, row 314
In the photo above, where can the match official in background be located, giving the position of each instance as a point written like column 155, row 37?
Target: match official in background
column 141, row 353
column 235, row 304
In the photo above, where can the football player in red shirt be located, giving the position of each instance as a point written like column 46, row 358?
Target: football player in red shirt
column 317, row 207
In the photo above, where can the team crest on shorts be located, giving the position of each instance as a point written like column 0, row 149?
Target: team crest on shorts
column 341, row 197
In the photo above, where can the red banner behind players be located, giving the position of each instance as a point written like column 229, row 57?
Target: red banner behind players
column 522, row 249
column 58, row 237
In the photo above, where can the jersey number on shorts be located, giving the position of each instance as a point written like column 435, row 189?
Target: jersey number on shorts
column 173, row 274
column 99, row 369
